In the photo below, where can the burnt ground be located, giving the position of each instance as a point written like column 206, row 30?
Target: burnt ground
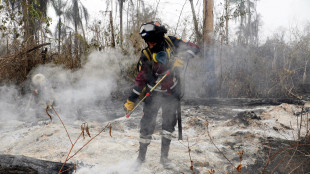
column 283, row 156
column 276, row 155
column 234, row 124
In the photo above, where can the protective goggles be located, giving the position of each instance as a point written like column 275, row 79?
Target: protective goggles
column 149, row 27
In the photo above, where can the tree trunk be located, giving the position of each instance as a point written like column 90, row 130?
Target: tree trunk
column 121, row 21
column 138, row 15
column 304, row 77
column 59, row 32
column 197, row 32
column 70, row 50
column 28, row 32
column 7, row 44
column 249, row 31
column 208, row 51
column 227, row 5
column 208, row 22
column 112, row 30
column 76, row 22
column 26, row 19
column 83, row 31
column 127, row 22
column 241, row 28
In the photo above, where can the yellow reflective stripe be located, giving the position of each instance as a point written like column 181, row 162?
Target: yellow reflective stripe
column 169, row 42
column 145, row 52
column 149, row 53
column 154, row 57
column 140, row 65
column 168, row 51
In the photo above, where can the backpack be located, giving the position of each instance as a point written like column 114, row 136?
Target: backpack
column 148, row 54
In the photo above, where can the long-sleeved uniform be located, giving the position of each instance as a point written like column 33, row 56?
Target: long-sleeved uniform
column 151, row 72
column 166, row 95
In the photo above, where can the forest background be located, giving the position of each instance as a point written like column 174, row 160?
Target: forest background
column 237, row 59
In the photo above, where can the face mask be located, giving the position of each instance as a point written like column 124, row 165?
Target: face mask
column 158, row 47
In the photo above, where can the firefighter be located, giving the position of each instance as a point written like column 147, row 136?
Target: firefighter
column 156, row 60
column 43, row 94
column 44, row 55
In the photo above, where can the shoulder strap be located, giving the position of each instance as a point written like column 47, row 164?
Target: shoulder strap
column 147, row 53
column 169, row 42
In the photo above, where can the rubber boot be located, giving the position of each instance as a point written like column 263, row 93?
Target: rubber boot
column 142, row 152
column 165, row 144
column 141, row 157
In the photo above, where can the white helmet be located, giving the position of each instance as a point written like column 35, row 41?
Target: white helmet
column 38, row 80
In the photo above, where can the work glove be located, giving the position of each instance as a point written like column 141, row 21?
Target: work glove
column 178, row 63
column 128, row 106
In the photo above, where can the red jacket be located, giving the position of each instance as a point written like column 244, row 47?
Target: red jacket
column 151, row 72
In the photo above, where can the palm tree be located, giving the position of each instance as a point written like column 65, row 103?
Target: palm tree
column 58, row 6
column 244, row 10
column 73, row 15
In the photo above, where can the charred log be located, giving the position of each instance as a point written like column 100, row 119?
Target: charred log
column 26, row 165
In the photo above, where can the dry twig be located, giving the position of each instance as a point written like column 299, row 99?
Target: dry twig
column 207, row 125
column 84, row 126
column 62, row 124
column 46, row 110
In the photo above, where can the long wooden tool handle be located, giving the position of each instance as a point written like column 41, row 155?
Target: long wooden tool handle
column 147, row 94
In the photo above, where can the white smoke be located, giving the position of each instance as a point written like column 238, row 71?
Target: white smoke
column 8, row 102
column 74, row 91
column 124, row 167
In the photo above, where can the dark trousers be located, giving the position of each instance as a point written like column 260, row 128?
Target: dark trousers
column 152, row 104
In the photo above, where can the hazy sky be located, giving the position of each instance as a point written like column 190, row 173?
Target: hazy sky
column 274, row 13
column 285, row 13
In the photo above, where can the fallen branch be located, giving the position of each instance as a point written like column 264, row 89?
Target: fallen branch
column 32, row 49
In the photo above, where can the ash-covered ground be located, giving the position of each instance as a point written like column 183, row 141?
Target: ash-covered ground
column 215, row 133
column 261, row 133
